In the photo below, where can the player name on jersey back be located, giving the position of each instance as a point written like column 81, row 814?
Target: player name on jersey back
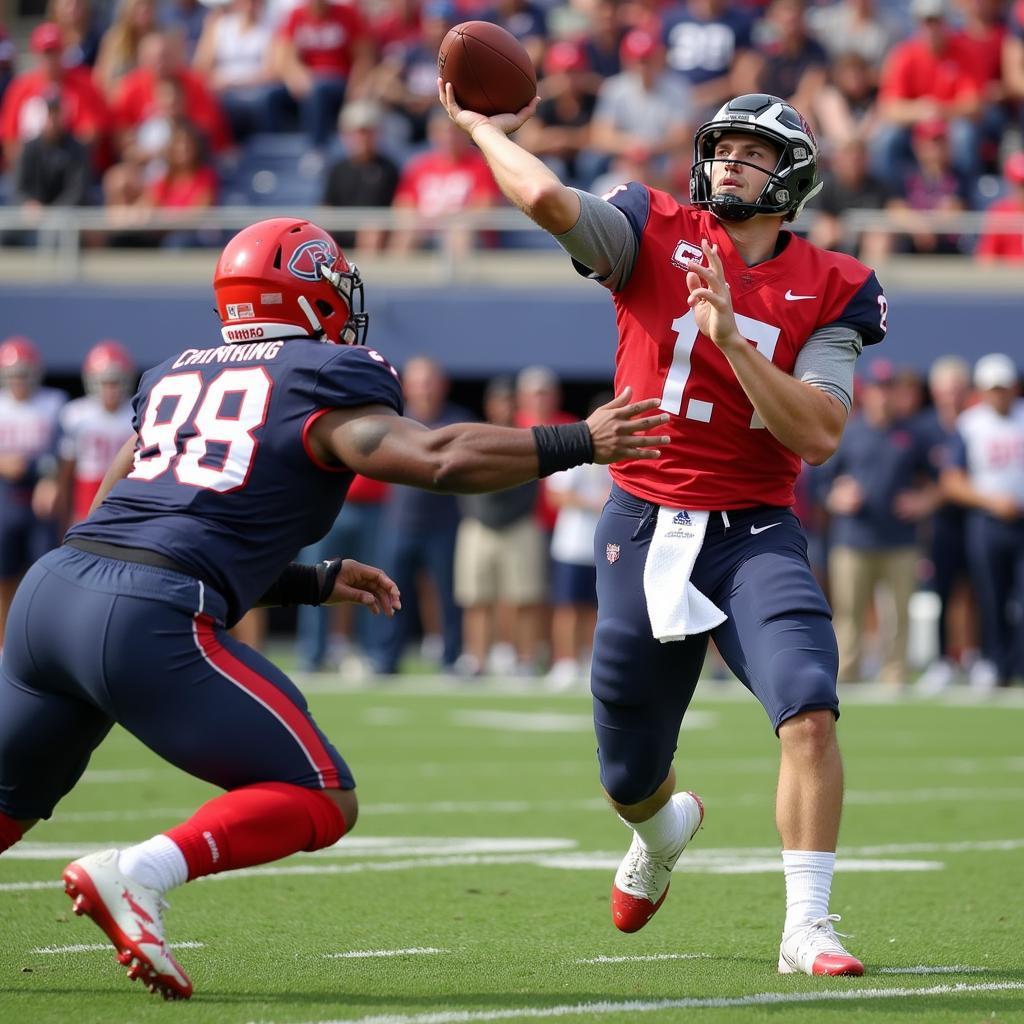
column 234, row 353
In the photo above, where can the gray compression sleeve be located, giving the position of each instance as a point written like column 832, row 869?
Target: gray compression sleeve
column 827, row 359
column 601, row 241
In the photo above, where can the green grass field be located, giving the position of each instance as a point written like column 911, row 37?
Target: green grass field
column 475, row 887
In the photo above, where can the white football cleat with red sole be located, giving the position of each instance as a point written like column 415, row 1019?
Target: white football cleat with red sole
column 814, row 948
column 131, row 915
column 641, row 883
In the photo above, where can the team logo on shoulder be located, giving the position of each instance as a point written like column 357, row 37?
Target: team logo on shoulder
column 686, row 252
column 307, row 259
column 611, row 552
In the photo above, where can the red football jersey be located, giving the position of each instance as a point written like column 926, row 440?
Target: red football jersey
column 721, row 456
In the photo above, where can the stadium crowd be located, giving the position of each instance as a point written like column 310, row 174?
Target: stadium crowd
column 924, row 497
column 146, row 105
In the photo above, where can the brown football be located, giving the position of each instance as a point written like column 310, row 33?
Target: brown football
column 488, row 68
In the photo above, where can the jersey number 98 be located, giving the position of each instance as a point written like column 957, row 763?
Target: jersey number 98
column 181, row 398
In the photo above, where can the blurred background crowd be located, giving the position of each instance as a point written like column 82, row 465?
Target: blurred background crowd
column 916, row 527
column 171, row 105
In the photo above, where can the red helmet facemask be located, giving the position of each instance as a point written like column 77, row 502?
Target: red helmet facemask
column 287, row 278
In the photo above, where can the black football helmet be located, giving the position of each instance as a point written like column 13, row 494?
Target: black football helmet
column 795, row 177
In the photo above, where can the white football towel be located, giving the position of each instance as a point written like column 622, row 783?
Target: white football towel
column 677, row 609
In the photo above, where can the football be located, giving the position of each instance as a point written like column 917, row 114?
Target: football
column 488, row 68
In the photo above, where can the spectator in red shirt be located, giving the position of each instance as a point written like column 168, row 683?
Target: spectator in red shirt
column 160, row 60
column 23, row 112
column 448, row 178
column 322, row 50
column 188, row 184
column 926, row 77
column 1013, row 52
column 992, row 245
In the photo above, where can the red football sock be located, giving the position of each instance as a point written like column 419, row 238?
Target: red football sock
column 10, row 831
column 256, row 824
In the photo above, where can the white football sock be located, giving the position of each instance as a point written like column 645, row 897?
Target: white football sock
column 157, row 863
column 808, row 885
column 662, row 831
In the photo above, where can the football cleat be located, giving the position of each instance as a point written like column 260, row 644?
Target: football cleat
column 131, row 915
column 814, row 948
column 641, row 883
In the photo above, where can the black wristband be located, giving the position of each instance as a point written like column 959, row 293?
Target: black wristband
column 302, row 584
column 562, row 447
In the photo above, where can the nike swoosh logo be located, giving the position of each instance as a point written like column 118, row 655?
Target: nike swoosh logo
column 755, row 530
column 790, row 297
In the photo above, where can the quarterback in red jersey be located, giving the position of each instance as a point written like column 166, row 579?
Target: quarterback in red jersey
column 749, row 334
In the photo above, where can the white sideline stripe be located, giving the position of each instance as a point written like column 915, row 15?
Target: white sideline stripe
column 926, row 969
column 359, row 954
column 636, row 1006
column 642, row 959
column 29, row 886
column 96, row 947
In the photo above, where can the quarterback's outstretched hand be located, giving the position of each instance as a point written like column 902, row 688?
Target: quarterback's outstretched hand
column 710, row 299
column 365, row 585
column 469, row 120
column 616, row 429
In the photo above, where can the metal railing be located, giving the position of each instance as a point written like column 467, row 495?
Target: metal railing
column 58, row 234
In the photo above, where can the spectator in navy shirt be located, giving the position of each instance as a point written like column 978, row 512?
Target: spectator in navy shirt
column 881, row 488
column 706, row 41
column 949, row 382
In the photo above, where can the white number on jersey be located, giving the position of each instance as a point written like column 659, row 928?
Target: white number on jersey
column 764, row 336
column 185, row 390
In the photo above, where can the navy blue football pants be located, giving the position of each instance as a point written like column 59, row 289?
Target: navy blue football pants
column 778, row 637
column 92, row 641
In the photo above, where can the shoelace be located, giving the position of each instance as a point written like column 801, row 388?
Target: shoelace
column 819, row 933
column 640, row 873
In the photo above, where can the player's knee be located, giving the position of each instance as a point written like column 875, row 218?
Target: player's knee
column 810, row 732
column 632, row 783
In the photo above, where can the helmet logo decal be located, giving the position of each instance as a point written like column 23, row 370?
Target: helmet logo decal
column 240, row 311
column 306, row 260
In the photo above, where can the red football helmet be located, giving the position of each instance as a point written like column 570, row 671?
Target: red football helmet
column 107, row 361
column 20, row 358
column 286, row 278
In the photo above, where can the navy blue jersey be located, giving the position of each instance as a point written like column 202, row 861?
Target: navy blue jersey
column 224, row 482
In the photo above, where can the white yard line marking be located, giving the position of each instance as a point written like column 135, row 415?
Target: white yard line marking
column 926, row 969
column 359, row 954
column 554, row 721
column 96, row 947
column 700, row 862
column 425, row 852
column 642, row 959
column 637, row 1006
column 484, row 806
